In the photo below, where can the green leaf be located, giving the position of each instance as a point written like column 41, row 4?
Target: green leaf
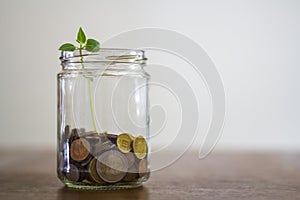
column 81, row 38
column 92, row 45
column 67, row 47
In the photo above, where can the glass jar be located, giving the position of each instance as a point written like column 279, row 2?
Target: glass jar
column 103, row 119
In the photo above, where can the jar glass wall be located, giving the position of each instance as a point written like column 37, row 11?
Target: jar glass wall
column 103, row 119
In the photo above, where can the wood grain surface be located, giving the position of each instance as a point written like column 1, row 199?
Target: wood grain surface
column 32, row 175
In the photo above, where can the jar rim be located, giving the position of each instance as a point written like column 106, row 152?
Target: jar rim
column 104, row 56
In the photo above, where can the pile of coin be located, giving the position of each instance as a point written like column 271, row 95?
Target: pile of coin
column 104, row 158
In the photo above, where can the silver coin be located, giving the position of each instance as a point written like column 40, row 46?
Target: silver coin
column 112, row 166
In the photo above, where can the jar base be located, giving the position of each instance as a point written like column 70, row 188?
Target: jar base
column 119, row 186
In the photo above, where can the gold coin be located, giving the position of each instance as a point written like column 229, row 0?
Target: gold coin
column 140, row 147
column 80, row 149
column 131, row 136
column 112, row 166
column 124, row 141
column 93, row 172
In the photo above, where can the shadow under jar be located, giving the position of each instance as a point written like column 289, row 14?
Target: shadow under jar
column 103, row 119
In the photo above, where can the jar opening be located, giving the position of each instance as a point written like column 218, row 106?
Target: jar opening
column 106, row 56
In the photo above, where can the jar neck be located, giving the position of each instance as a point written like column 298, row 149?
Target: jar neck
column 105, row 58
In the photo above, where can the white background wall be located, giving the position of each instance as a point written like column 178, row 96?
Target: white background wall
column 254, row 44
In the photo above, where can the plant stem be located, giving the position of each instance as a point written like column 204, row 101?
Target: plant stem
column 91, row 105
column 90, row 92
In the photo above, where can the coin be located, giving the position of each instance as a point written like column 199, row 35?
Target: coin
column 124, row 141
column 140, row 147
column 80, row 149
column 93, row 172
column 130, row 158
column 131, row 175
column 112, row 166
column 86, row 161
column 73, row 173
column 74, row 135
column 81, row 131
column 92, row 139
column 88, row 133
column 144, row 173
column 111, row 137
column 143, row 168
column 102, row 147
column 134, row 168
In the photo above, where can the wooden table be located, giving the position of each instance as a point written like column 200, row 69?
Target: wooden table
column 32, row 175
